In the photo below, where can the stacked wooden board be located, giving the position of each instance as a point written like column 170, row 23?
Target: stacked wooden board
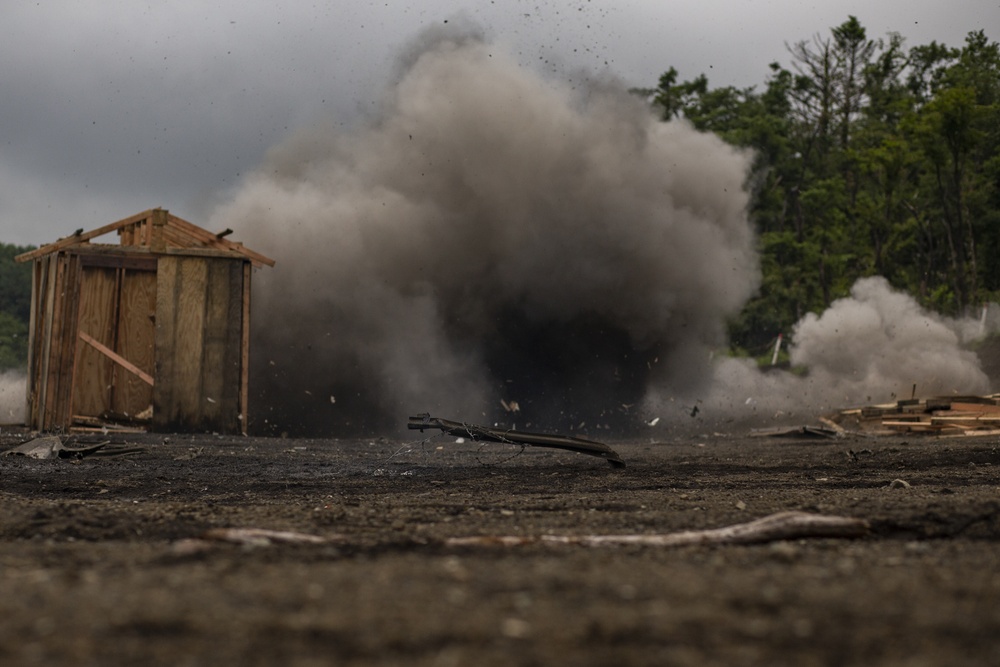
column 942, row 415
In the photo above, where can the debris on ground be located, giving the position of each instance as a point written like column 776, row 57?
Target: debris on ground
column 463, row 430
column 822, row 432
column 942, row 415
column 771, row 528
column 53, row 447
column 262, row 536
column 247, row 537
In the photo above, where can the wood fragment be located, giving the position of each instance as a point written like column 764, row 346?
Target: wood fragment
column 117, row 358
column 775, row 527
column 263, row 536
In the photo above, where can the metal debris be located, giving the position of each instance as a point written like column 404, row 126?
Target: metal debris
column 463, row 430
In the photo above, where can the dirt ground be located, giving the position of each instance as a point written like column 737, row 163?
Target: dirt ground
column 99, row 564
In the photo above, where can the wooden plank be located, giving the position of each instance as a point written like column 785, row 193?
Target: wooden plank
column 54, row 368
column 232, row 370
column 205, row 252
column 190, row 334
column 136, row 338
column 79, row 238
column 982, row 408
column 915, row 427
column 216, row 325
column 245, row 350
column 67, row 352
column 95, row 371
column 134, row 262
column 126, row 235
column 117, row 358
column 107, row 428
column 158, row 218
column 48, row 313
column 91, row 249
column 164, row 408
column 975, row 420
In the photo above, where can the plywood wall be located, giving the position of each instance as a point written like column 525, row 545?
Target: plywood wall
column 136, row 341
column 199, row 335
column 95, row 373
column 55, row 297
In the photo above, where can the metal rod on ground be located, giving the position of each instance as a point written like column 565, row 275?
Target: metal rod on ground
column 462, row 430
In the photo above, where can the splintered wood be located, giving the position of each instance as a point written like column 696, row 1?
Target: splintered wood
column 946, row 415
column 780, row 526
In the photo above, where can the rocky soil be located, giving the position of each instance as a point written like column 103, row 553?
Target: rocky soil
column 121, row 560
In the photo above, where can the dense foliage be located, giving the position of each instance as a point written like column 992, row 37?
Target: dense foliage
column 15, row 307
column 870, row 158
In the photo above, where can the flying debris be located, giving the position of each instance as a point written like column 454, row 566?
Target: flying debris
column 460, row 429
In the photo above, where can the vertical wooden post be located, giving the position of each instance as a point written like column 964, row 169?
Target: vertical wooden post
column 68, row 352
column 245, row 351
column 48, row 315
column 157, row 241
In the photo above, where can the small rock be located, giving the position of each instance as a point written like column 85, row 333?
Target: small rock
column 515, row 628
column 899, row 484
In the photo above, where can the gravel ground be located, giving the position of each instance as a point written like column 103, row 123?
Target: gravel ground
column 119, row 560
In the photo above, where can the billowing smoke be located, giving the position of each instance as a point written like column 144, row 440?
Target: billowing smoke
column 499, row 247
column 875, row 346
column 492, row 241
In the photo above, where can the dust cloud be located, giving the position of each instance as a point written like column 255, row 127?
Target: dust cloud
column 877, row 345
column 493, row 246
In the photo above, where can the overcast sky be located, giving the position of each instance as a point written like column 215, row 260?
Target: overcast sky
column 112, row 107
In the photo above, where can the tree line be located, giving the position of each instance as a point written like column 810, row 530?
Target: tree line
column 15, row 307
column 871, row 158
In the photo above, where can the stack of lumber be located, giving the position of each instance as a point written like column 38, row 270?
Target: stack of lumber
column 943, row 415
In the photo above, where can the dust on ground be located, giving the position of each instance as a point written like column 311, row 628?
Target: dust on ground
column 98, row 569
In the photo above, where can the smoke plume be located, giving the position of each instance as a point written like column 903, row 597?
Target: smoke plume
column 498, row 247
column 492, row 241
column 875, row 346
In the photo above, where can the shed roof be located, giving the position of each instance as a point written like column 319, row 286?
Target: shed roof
column 155, row 231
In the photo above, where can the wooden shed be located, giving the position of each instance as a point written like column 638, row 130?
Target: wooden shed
column 149, row 333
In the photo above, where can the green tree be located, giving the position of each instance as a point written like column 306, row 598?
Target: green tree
column 15, row 307
column 870, row 159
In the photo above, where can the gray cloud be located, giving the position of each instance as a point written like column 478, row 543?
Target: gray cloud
column 109, row 108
